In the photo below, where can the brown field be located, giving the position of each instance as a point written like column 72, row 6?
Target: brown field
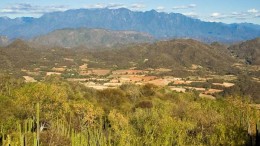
column 58, row 69
column 148, row 78
column 136, row 78
column 125, row 80
column 171, row 78
column 112, row 84
column 197, row 89
column 68, row 59
column 225, row 77
column 178, row 89
column 225, row 84
column 52, row 73
column 160, row 82
column 212, row 91
column 77, row 80
column 163, row 70
column 99, row 87
column 33, row 73
column 95, row 86
column 194, row 66
column 85, row 60
column 182, row 82
column 100, row 72
column 37, row 69
column 129, row 72
column 84, row 72
column 29, row 79
column 83, row 67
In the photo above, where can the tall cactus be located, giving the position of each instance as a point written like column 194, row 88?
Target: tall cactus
column 21, row 134
column 38, row 123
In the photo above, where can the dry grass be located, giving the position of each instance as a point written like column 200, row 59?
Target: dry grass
column 207, row 96
column 212, row 91
column 178, row 89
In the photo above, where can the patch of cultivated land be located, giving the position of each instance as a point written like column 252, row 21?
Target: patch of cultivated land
column 99, row 78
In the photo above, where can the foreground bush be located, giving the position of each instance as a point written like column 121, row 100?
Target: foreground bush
column 70, row 114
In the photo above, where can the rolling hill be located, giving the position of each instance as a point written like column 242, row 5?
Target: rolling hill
column 21, row 55
column 179, row 54
column 174, row 54
column 249, row 51
column 90, row 38
column 160, row 25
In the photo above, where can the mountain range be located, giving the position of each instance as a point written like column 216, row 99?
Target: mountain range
column 158, row 24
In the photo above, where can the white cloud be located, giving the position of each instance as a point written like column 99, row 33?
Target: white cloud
column 103, row 5
column 191, row 14
column 24, row 8
column 98, row 5
column 160, row 8
column 190, row 6
column 252, row 11
column 6, row 11
column 216, row 14
column 239, row 15
column 115, row 6
column 137, row 6
column 244, row 15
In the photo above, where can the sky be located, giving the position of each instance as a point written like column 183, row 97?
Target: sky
column 227, row 11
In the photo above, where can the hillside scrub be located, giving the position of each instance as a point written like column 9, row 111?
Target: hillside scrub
column 71, row 114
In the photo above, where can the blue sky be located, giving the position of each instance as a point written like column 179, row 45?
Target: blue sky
column 227, row 11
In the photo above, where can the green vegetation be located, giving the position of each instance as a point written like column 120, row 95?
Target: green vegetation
column 247, row 51
column 57, row 112
column 244, row 86
column 175, row 54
